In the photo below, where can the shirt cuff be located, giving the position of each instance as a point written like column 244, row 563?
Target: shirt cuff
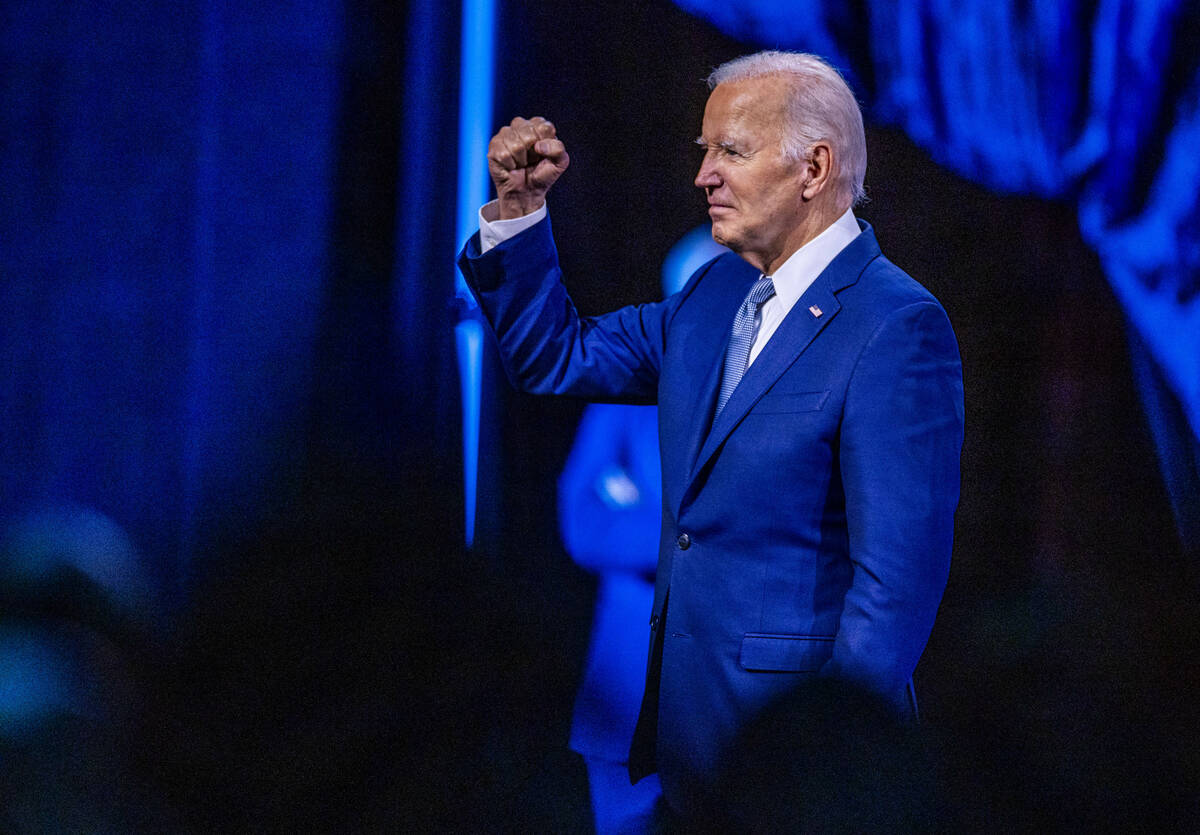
column 494, row 232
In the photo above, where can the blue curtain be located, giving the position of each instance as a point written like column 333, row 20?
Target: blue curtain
column 1095, row 103
column 225, row 277
column 166, row 171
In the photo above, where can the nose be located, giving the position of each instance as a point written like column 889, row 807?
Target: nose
column 707, row 177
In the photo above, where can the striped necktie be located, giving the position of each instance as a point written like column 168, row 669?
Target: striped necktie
column 745, row 325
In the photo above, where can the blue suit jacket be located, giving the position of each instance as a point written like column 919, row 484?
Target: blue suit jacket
column 808, row 529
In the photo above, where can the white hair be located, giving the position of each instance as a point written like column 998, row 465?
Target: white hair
column 821, row 107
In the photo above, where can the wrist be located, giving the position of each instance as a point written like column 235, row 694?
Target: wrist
column 518, row 205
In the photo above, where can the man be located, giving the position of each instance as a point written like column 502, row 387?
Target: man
column 810, row 412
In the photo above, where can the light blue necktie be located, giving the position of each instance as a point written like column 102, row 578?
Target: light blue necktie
column 745, row 325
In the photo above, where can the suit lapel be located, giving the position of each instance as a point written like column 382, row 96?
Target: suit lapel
column 705, row 355
column 799, row 328
column 797, row 331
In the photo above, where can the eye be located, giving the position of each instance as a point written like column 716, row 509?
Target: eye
column 724, row 149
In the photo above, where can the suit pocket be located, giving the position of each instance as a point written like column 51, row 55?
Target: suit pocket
column 785, row 653
column 787, row 403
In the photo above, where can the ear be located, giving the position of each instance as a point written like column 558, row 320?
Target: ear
column 818, row 170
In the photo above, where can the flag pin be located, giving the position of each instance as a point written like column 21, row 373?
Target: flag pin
column 814, row 310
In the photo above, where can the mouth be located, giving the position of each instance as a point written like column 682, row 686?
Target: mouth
column 718, row 208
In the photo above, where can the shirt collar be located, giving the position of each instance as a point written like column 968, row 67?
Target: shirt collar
column 801, row 269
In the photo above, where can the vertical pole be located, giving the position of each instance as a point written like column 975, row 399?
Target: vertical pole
column 474, row 128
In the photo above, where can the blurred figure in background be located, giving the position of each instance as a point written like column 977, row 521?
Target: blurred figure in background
column 79, row 621
column 610, row 497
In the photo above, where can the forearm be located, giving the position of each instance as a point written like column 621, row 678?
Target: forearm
column 545, row 346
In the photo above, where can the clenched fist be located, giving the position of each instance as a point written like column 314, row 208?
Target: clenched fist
column 525, row 158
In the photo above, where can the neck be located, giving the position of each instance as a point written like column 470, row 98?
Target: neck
column 813, row 224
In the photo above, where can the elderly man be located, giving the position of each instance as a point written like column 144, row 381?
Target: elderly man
column 810, row 412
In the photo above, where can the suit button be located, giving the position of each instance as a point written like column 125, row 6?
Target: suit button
column 684, row 542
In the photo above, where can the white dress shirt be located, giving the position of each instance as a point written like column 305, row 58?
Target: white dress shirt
column 793, row 277
column 494, row 231
column 797, row 274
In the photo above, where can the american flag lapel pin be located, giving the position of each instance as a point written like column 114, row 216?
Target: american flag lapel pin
column 814, row 310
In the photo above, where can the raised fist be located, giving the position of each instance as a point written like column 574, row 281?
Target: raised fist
column 525, row 158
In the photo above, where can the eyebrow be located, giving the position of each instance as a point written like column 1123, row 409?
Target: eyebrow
column 704, row 143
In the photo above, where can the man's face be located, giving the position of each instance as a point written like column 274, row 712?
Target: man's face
column 754, row 192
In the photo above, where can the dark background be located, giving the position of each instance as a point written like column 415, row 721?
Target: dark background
column 233, row 339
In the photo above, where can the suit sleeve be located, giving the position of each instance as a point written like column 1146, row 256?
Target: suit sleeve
column 901, row 442
column 545, row 346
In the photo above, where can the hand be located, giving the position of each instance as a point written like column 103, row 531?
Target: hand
column 525, row 158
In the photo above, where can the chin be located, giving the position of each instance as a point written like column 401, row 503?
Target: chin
column 723, row 237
